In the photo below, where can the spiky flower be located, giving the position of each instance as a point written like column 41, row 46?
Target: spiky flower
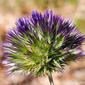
column 42, row 43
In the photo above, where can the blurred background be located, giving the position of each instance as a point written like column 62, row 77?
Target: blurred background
column 10, row 10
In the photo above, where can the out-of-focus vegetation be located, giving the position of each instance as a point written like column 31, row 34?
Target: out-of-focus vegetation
column 80, row 24
column 20, row 5
column 74, row 2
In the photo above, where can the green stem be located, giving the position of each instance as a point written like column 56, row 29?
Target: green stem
column 50, row 79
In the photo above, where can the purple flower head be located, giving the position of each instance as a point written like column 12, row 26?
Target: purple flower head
column 42, row 43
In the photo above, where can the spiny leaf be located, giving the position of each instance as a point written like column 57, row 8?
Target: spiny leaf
column 40, row 71
column 39, row 33
column 74, row 52
column 59, row 41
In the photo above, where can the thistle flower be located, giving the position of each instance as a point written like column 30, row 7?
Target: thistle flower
column 42, row 43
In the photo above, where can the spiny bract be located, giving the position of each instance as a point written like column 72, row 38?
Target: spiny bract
column 42, row 43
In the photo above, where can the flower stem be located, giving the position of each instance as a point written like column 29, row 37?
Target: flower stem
column 50, row 79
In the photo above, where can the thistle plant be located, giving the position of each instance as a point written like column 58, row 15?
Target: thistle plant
column 42, row 44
